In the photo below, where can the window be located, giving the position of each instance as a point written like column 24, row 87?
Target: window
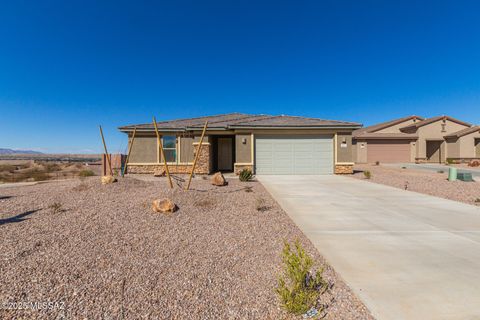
column 170, row 148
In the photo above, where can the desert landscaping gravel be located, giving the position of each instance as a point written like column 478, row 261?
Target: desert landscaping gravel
column 101, row 253
column 427, row 182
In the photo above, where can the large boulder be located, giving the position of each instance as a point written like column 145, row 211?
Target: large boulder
column 474, row 163
column 160, row 172
column 218, row 179
column 108, row 179
column 164, row 206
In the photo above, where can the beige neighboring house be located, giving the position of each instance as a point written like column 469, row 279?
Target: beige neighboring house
column 464, row 144
column 416, row 139
column 265, row 144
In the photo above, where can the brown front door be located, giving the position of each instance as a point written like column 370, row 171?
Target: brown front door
column 225, row 154
column 477, row 148
column 434, row 151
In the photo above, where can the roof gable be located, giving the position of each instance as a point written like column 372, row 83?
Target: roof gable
column 385, row 125
column 433, row 120
column 464, row 132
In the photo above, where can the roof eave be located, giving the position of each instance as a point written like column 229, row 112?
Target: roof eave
column 352, row 127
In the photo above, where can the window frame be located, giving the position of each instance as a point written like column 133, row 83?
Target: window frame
column 170, row 148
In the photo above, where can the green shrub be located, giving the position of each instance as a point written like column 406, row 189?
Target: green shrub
column 37, row 175
column 367, row 174
column 298, row 287
column 86, row 173
column 450, row 161
column 56, row 207
column 245, row 175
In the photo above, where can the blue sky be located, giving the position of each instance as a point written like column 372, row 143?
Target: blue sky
column 67, row 66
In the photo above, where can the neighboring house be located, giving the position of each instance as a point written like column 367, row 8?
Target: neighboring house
column 464, row 144
column 416, row 139
column 265, row 144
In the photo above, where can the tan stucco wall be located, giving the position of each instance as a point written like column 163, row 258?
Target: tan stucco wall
column 396, row 128
column 433, row 131
column 243, row 152
column 345, row 153
column 453, row 148
column 144, row 149
column 186, row 149
column 361, row 151
column 466, row 145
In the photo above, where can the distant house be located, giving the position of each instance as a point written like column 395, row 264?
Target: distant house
column 416, row 139
column 263, row 143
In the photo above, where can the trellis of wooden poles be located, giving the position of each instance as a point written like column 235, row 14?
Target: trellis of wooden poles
column 197, row 155
column 107, row 155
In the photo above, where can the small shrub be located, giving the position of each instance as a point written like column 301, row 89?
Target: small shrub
column 477, row 201
column 51, row 167
column 86, row 173
column 404, row 167
column 440, row 171
column 450, row 161
column 245, row 175
column 56, row 207
column 367, row 174
column 261, row 205
column 298, row 287
column 7, row 168
column 39, row 175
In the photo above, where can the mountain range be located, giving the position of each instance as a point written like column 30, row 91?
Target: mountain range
column 11, row 151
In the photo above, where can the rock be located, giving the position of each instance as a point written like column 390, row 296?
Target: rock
column 159, row 172
column 218, row 179
column 474, row 163
column 108, row 179
column 164, row 206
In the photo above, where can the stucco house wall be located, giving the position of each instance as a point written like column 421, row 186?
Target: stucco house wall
column 344, row 147
column 466, row 145
column 144, row 149
column 435, row 131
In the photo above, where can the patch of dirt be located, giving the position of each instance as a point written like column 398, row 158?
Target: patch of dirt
column 108, row 256
column 432, row 183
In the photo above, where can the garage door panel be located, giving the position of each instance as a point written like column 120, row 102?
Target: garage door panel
column 388, row 151
column 294, row 154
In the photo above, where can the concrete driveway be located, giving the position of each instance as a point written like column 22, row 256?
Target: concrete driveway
column 405, row 254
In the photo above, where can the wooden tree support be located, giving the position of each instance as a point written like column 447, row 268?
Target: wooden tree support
column 106, row 152
column 129, row 151
column 197, row 155
column 162, row 153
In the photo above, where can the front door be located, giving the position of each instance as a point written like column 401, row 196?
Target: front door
column 477, row 148
column 225, row 154
column 434, row 151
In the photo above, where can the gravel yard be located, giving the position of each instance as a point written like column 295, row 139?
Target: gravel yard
column 432, row 183
column 105, row 255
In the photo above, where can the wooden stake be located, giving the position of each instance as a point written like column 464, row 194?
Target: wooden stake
column 197, row 155
column 162, row 153
column 129, row 150
column 106, row 152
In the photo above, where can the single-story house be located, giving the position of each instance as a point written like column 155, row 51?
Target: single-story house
column 415, row 139
column 464, row 144
column 263, row 143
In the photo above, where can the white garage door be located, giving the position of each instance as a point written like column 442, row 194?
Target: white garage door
column 294, row 154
